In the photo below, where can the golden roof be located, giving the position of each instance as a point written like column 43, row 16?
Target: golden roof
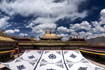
column 50, row 36
column 32, row 39
column 2, row 38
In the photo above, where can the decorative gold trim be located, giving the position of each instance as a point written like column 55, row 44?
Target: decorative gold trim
column 7, row 51
column 91, row 52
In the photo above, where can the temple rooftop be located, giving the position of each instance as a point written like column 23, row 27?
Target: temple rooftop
column 50, row 36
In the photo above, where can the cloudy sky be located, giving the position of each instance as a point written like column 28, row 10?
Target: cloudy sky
column 82, row 18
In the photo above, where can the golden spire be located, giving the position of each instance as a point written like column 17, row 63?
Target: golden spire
column 24, row 35
column 70, row 37
column 45, row 32
column 3, row 32
column 55, row 31
column 50, row 31
column 32, row 37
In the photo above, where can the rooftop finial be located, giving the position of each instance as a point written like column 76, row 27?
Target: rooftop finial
column 24, row 35
column 55, row 31
column 45, row 32
column 50, row 31
column 3, row 31
column 32, row 37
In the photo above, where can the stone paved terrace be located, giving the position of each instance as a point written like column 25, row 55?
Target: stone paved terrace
column 98, row 64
